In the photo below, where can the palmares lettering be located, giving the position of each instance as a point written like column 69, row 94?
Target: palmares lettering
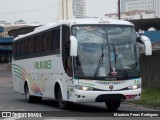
column 47, row 64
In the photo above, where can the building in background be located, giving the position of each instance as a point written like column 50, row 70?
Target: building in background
column 138, row 9
column 17, row 25
column 64, row 9
column 79, row 8
column 68, row 9
column 7, row 33
column 5, row 46
column 4, row 23
column 20, row 22
column 149, row 5
column 133, row 15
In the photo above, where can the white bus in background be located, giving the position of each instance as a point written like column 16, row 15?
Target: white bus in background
column 79, row 60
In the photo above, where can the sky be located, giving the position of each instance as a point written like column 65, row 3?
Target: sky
column 45, row 11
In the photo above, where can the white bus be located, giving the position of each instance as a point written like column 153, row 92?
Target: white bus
column 79, row 60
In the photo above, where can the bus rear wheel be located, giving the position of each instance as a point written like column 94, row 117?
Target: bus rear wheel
column 113, row 105
column 29, row 98
column 62, row 104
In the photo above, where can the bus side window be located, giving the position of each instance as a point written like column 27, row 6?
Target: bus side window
column 38, row 44
column 46, row 41
column 24, row 47
column 55, row 40
column 30, row 46
column 18, row 49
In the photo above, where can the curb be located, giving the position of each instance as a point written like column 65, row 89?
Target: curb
column 146, row 106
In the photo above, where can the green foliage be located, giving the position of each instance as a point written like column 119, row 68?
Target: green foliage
column 150, row 97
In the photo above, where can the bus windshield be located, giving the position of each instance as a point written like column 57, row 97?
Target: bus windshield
column 108, row 51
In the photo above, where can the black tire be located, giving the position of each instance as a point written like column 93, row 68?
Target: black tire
column 29, row 98
column 62, row 104
column 113, row 105
column 37, row 99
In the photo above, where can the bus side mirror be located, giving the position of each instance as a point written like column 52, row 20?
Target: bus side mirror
column 147, row 44
column 139, row 40
column 73, row 46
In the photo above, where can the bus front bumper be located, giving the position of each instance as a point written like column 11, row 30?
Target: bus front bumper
column 104, row 96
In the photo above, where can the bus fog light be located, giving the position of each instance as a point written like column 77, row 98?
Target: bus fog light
column 83, row 96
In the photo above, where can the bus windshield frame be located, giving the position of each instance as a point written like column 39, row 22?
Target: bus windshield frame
column 106, row 51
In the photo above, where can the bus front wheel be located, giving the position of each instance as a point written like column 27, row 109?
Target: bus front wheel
column 113, row 105
column 62, row 104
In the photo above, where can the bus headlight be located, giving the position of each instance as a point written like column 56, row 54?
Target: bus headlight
column 133, row 87
column 83, row 88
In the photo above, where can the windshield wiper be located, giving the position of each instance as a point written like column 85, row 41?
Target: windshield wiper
column 99, row 63
column 115, row 55
column 116, row 64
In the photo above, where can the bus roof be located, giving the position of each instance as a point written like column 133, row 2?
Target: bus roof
column 75, row 22
column 99, row 21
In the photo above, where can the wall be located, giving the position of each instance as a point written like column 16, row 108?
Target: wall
column 150, row 66
column 153, row 35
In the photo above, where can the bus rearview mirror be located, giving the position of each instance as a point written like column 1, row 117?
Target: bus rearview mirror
column 73, row 46
column 147, row 44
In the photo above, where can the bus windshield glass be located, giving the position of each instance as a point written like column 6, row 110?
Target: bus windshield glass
column 106, row 51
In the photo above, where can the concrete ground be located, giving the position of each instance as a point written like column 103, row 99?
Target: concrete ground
column 5, row 66
column 5, row 73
